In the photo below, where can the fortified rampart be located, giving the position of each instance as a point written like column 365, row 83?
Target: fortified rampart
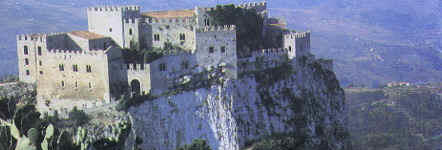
column 89, row 65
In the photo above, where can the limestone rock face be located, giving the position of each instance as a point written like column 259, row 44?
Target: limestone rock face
column 305, row 99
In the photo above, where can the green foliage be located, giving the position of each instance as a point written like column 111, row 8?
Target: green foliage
column 26, row 117
column 248, row 22
column 394, row 118
column 197, row 144
column 8, row 78
column 79, row 117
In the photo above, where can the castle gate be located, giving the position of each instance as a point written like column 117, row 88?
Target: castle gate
column 135, row 87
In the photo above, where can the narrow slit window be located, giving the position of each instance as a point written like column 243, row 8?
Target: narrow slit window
column 75, row 68
column 223, row 49
column 28, row 73
column 40, row 63
column 39, row 51
column 88, row 68
column 25, row 50
column 211, row 49
column 62, row 83
column 26, row 61
column 130, row 31
column 61, row 67
column 90, row 85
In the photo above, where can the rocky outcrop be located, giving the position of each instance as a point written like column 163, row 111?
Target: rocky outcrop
column 302, row 98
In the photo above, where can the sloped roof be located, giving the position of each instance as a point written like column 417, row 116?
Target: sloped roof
column 87, row 35
column 170, row 13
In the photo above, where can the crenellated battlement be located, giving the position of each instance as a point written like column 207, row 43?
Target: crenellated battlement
column 225, row 28
column 132, row 20
column 252, row 4
column 114, row 8
column 270, row 52
column 137, row 67
column 297, row 35
column 75, row 52
column 37, row 36
column 189, row 20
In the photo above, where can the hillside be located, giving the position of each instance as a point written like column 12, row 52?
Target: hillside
column 395, row 118
column 372, row 42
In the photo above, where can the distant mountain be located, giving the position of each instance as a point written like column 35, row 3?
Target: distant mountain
column 372, row 42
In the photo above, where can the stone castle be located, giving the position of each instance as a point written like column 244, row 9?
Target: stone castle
column 89, row 65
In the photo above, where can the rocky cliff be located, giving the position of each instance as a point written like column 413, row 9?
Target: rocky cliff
column 301, row 98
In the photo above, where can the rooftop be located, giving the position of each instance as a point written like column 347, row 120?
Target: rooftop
column 87, row 35
column 170, row 13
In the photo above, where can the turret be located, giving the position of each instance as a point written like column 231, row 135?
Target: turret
column 297, row 43
column 111, row 21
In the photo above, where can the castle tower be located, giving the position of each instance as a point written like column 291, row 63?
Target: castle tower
column 297, row 43
column 118, row 22
column 216, row 45
column 30, row 49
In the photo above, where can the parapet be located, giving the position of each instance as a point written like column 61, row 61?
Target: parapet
column 114, row 8
column 189, row 20
column 252, row 4
column 297, row 35
column 271, row 52
column 61, row 52
column 225, row 28
column 137, row 67
column 36, row 36
column 132, row 20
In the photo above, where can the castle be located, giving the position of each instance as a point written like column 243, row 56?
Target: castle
column 89, row 65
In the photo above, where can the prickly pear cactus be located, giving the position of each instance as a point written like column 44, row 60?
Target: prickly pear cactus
column 81, row 138
column 48, row 137
column 23, row 143
column 33, row 136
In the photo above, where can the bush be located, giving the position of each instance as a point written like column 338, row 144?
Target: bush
column 197, row 144
column 79, row 117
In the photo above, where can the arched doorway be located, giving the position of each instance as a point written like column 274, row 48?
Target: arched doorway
column 135, row 87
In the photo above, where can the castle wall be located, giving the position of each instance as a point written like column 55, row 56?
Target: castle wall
column 56, row 84
column 162, row 79
column 216, row 38
column 109, row 20
column 263, row 59
column 170, row 33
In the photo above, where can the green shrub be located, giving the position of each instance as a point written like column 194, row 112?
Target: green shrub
column 197, row 144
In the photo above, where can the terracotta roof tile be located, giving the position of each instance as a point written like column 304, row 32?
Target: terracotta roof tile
column 87, row 35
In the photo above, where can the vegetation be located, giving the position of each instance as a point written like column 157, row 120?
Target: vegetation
column 395, row 118
column 197, row 144
column 249, row 26
column 8, row 78
column 149, row 55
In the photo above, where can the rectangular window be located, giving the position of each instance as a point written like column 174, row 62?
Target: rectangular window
column 61, row 67
column 75, row 68
column 130, row 31
column 223, row 49
column 90, row 85
column 76, row 84
column 26, row 61
column 62, row 83
column 41, row 72
column 25, row 50
column 182, row 36
column 88, row 68
column 163, row 67
column 211, row 49
column 39, row 51
column 185, row 65
column 40, row 63
column 27, row 72
column 156, row 37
